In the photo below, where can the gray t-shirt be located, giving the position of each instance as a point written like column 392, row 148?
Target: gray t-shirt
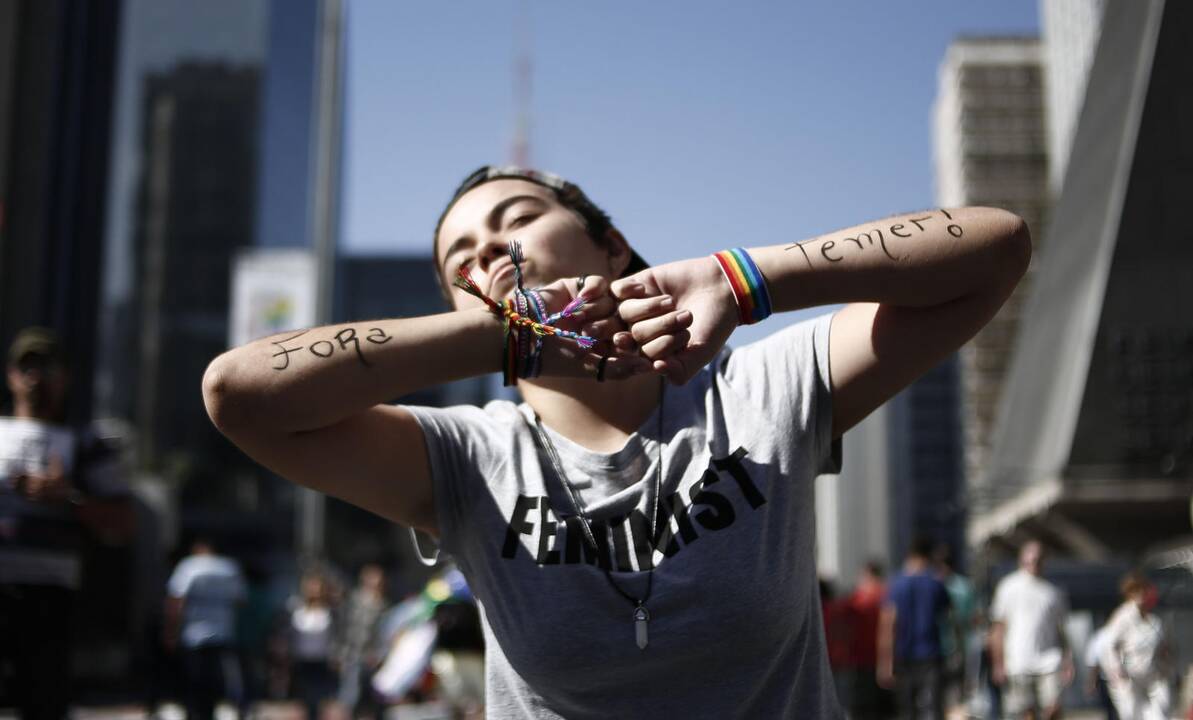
column 735, row 623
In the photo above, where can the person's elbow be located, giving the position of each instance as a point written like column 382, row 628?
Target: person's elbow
column 226, row 400
column 1011, row 245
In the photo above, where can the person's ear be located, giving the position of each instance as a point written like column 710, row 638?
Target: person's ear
column 619, row 252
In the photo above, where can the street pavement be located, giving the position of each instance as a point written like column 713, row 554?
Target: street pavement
column 293, row 711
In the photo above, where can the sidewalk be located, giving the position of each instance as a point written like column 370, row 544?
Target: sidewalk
column 271, row 710
column 293, row 711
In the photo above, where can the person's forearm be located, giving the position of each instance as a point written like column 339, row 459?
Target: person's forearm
column 996, row 647
column 309, row 379
column 914, row 260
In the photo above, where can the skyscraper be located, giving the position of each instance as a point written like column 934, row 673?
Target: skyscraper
column 1071, row 30
column 991, row 149
column 1094, row 443
column 196, row 205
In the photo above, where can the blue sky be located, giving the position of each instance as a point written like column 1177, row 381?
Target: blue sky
column 698, row 125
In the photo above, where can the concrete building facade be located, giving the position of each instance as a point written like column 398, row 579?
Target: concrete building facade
column 991, row 149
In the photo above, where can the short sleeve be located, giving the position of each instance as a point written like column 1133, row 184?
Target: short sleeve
column 463, row 447
column 998, row 609
column 180, row 581
column 787, row 377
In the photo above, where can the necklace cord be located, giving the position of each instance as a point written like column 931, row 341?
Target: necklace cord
column 586, row 522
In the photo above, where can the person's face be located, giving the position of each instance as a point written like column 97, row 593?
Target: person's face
column 1031, row 558
column 313, row 588
column 372, row 578
column 476, row 233
column 38, row 381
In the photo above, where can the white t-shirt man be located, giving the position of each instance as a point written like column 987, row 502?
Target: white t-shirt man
column 1032, row 610
column 40, row 541
column 211, row 587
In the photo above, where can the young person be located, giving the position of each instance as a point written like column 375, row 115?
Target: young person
column 637, row 546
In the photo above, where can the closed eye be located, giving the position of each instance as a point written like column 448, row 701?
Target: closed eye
column 522, row 220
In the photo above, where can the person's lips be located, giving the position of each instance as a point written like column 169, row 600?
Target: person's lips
column 499, row 272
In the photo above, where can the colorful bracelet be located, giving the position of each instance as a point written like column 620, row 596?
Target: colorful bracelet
column 514, row 322
column 538, row 310
column 749, row 287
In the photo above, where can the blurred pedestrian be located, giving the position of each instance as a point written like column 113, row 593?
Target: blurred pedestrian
column 909, row 636
column 360, row 642
column 839, row 628
column 869, row 701
column 1030, row 656
column 312, row 635
column 954, row 633
column 59, row 487
column 1095, row 673
column 200, row 622
column 1136, row 654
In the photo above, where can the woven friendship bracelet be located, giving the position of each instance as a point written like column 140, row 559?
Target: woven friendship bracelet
column 749, row 287
column 534, row 352
column 513, row 321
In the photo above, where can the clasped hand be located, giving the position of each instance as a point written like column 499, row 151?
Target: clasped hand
column 671, row 319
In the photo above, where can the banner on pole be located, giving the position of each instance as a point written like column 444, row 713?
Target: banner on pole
column 273, row 290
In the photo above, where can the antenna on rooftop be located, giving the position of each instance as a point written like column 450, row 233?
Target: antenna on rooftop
column 523, row 77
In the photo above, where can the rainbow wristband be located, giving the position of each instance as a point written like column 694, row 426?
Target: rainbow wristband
column 749, row 287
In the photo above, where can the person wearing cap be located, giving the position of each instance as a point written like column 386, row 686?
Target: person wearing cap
column 56, row 482
column 639, row 530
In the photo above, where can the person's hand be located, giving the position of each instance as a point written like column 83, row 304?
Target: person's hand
column 999, row 675
column 679, row 315
column 598, row 319
column 47, row 487
column 1067, row 672
column 885, row 676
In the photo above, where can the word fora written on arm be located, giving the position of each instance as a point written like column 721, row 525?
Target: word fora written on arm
column 325, row 348
column 831, row 251
column 561, row 542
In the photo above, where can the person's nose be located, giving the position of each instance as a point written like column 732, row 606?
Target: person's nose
column 492, row 249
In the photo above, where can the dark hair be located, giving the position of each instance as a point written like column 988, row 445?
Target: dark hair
column 943, row 555
column 921, row 546
column 875, row 568
column 597, row 222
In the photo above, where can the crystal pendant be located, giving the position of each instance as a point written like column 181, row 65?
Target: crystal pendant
column 641, row 620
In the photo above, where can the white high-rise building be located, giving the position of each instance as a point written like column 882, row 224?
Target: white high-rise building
column 991, row 149
column 1071, row 31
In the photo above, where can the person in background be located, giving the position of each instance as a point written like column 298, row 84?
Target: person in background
column 312, row 644
column 1136, row 655
column 839, row 629
column 359, row 649
column 955, row 634
column 1028, row 651
column 1096, row 674
column 202, row 596
column 870, row 701
column 909, row 653
column 60, row 487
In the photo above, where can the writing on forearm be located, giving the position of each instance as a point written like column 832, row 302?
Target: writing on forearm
column 325, row 348
column 834, row 250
